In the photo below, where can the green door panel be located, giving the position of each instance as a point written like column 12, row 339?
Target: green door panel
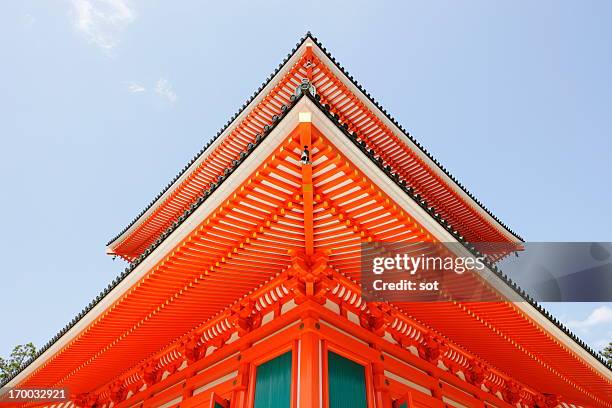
column 273, row 383
column 347, row 387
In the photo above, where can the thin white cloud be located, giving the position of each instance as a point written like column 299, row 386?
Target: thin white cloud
column 164, row 89
column 102, row 22
column 601, row 315
column 134, row 87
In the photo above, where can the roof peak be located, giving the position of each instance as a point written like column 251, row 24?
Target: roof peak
column 285, row 67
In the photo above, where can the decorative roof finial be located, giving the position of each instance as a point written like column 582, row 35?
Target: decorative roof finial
column 305, row 87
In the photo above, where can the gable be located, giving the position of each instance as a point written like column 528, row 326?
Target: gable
column 357, row 112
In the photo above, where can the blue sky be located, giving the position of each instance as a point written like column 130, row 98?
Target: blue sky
column 103, row 101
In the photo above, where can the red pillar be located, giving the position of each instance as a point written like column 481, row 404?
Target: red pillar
column 239, row 393
column 309, row 381
column 382, row 398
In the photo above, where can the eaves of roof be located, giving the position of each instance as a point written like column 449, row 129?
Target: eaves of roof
column 370, row 154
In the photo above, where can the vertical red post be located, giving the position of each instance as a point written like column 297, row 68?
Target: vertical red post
column 381, row 389
column 239, row 393
column 309, row 386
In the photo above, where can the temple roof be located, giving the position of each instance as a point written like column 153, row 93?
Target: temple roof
column 357, row 110
column 144, row 264
column 211, row 192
